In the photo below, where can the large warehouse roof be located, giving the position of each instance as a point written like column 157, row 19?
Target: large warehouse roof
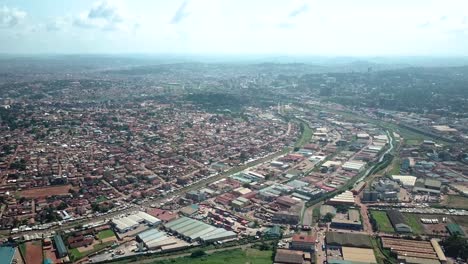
column 133, row 220
column 406, row 180
column 194, row 229
column 347, row 239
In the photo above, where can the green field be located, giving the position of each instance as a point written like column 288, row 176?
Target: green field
column 105, row 234
column 305, row 136
column 383, row 223
column 415, row 224
column 252, row 256
column 76, row 255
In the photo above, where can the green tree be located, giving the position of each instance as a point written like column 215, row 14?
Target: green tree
column 328, row 217
column 197, row 254
column 456, row 246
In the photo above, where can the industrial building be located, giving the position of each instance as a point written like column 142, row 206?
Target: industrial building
column 336, row 240
column 388, row 190
column 345, row 197
column 427, row 186
column 370, row 196
column 413, row 251
column 7, row 254
column 60, row 246
column 130, row 222
column 194, row 230
column 405, row 180
column 284, row 256
column 352, row 222
column 273, row 232
column 156, row 239
column 398, row 222
column 358, row 188
column 303, row 242
column 354, row 166
column 285, row 218
column 240, row 203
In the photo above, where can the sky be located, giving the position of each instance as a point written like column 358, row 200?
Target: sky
column 315, row 27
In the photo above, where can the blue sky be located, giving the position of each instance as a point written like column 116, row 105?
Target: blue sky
column 316, row 27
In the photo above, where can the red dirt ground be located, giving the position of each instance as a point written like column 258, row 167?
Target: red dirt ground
column 33, row 253
column 45, row 191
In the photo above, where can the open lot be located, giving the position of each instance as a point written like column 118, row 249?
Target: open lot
column 79, row 253
column 32, row 252
column 383, row 223
column 455, row 201
column 46, row 191
column 414, row 221
column 105, row 234
column 236, row 256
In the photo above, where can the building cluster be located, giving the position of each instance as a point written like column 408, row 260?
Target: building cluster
column 66, row 161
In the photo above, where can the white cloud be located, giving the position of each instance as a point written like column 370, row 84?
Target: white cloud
column 10, row 17
column 106, row 15
column 180, row 14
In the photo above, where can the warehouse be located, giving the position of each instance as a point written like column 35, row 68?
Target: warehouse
column 358, row 188
column 354, row 166
column 345, row 197
column 336, row 240
column 60, row 246
column 415, row 251
column 405, row 180
column 156, row 239
column 398, row 222
column 192, row 230
column 132, row 221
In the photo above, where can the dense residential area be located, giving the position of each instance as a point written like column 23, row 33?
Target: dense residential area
column 192, row 161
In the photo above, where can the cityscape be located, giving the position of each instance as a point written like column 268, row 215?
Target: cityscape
column 187, row 158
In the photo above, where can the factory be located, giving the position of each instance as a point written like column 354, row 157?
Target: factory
column 156, row 239
column 346, row 198
column 194, row 230
column 405, row 180
column 132, row 221
column 354, row 166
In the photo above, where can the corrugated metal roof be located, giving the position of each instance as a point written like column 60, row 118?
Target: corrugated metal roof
column 177, row 221
column 60, row 245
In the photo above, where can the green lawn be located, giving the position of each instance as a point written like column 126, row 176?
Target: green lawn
column 76, row 255
column 236, row 256
column 396, row 164
column 415, row 224
column 383, row 223
column 105, row 234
